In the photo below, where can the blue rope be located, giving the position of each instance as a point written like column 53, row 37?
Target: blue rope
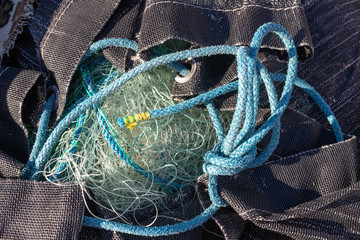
column 235, row 151
column 177, row 67
column 31, row 167
column 73, row 146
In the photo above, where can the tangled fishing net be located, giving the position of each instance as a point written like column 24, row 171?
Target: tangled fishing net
column 170, row 147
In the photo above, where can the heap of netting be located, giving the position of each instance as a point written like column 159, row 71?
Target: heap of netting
column 170, row 147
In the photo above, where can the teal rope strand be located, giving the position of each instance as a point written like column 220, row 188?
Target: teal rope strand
column 31, row 167
column 215, row 119
column 152, row 231
column 73, row 146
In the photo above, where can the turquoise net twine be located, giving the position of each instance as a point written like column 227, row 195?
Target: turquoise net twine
column 235, row 150
column 109, row 134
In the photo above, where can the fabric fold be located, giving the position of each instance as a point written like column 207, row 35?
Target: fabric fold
column 39, row 210
column 206, row 23
column 62, row 42
column 314, row 193
column 122, row 24
column 20, row 104
column 299, row 180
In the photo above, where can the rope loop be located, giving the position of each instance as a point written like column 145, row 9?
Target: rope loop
column 237, row 150
column 216, row 163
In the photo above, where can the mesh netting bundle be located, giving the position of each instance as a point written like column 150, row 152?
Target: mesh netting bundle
column 170, row 147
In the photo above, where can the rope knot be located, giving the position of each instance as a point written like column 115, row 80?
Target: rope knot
column 217, row 163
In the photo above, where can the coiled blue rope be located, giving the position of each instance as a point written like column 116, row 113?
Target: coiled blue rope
column 236, row 150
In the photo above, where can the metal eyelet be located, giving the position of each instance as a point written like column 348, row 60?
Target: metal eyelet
column 181, row 79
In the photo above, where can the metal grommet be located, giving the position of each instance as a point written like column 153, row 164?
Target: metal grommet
column 53, row 90
column 181, row 79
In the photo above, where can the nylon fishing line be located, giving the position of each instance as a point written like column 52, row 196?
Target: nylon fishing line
column 171, row 147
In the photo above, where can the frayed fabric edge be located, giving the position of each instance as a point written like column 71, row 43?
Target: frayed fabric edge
column 17, row 27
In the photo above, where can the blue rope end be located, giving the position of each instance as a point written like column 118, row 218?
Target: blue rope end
column 121, row 122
